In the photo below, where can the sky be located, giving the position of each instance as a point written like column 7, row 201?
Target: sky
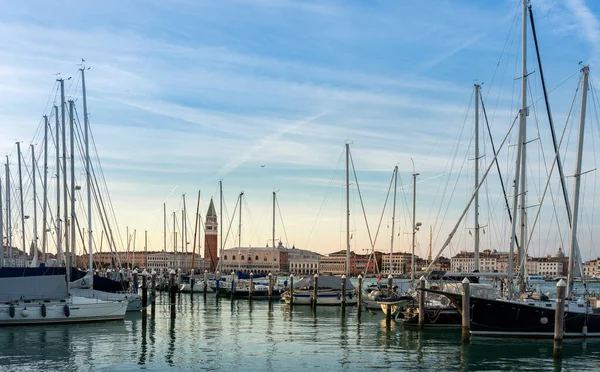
column 264, row 94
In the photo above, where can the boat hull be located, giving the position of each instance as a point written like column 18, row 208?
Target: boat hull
column 74, row 310
column 329, row 298
column 134, row 300
column 502, row 318
column 434, row 318
column 198, row 288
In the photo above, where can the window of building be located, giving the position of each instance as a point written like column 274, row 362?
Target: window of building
column 242, row 258
column 225, row 257
column 233, row 258
column 265, row 259
column 256, row 258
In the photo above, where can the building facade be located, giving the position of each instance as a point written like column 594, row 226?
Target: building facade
column 303, row 262
column 591, row 269
column 258, row 260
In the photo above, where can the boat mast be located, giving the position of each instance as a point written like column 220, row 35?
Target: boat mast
column 523, row 125
column 34, row 263
column 585, row 74
column 73, row 212
column 240, row 232
column 45, row 196
column 476, row 201
column 64, row 166
column 414, row 228
column 22, row 206
column 273, row 259
column 196, row 231
column 347, row 210
column 183, row 227
column 174, row 237
column 88, row 181
column 221, row 223
column 164, row 227
column 393, row 218
column 58, row 222
column 1, row 229
column 8, row 215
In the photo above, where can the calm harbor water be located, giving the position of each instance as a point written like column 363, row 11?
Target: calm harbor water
column 219, row 334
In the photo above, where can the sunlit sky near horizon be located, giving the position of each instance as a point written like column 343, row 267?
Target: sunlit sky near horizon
column 264, row 94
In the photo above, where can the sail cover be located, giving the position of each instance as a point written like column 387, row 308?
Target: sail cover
column 49, row 287
column 324, row 282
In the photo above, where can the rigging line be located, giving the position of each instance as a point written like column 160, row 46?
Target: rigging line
column 282, row 224
column 380, row 219
column 554, row 162
column 361, row 201
column 452, row 163
column 324, row 199
column 231, row 222
column 449, row 239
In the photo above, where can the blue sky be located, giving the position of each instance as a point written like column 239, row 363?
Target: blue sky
column 182, row 94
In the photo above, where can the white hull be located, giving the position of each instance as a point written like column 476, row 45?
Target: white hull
column 73, row 310
column 324, row 298
column 198, row 288
column 134, row 300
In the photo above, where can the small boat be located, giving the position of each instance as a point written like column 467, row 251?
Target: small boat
column 329, row 292
column 535, row 279
column 397, row 302
column 198, row 287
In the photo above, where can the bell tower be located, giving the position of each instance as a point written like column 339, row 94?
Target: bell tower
column 210, row 236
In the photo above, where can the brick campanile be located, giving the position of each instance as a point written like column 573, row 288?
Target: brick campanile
column 210, row 236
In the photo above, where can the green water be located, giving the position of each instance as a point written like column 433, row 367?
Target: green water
column 224, row 335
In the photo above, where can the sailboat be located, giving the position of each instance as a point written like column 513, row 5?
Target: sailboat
column 328, row 288
column 526, row 316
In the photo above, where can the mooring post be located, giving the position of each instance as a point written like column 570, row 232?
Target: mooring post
column 205, row 282
column 360, row 285
column 232, row 284
column 218, row 278
column 466, row 311
column 343, row 291
column 192, row 281
column 144, row 290
column 388, row 308
column 270, row 290
column 315, row 294
column 108, row 273
column 135, row 281
column 559, row 318
column 251, row 286
column 421, row 324
column 153, row 289
column 291, row 289
column 172, row 285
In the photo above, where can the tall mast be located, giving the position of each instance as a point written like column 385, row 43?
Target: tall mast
column 72, row 150
column 164, row 227
column 88, row 181
column 59, row 251
column 146, row 249
column 8, row 215
column 174, row 236
column 22, row 205
column 1, row 229
column 183, row 227
column 523, row 125
column 347, row 209
column 393, row 218
column 45, row 196
column 196, row 232
column 585, row 73
column 34, row 263
column 221, row 221
column 476, row 201
column 414, row 229
column 64, row 166
column 240, row 222
column 273, row 258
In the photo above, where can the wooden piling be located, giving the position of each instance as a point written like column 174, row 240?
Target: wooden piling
column 251, row 286
column 559, row 318
column 270, row 290
column 388, row 308
column 135, row 281
column 153, row 289
column 192, row 281
column 205, row 289
column 172, row 286
column 315, row 294
column 466, row 311
column 291, row 289
column 144, row 290
column 218, row 278
column 343, row 291
column 360, row 285
column 232, row 284
column 422, row 303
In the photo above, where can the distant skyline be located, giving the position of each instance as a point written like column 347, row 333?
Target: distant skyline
column 264, row 94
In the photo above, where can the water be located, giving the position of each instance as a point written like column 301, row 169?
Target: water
column 219, row 334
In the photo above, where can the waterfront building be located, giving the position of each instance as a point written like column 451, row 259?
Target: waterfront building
column 400, row 263
column 335, row 263
column 303, row 262
column 258, row 260
column 591, row 269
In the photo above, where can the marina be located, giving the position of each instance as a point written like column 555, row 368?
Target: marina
column 206, row 224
